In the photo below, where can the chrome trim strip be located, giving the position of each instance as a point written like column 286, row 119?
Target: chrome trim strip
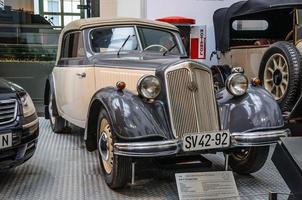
column 148, row 149
column 259, row 138
column 25, row 126
column 15, row 110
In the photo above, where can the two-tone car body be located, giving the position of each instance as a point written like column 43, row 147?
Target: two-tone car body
column 19, row 126
column 128, row 83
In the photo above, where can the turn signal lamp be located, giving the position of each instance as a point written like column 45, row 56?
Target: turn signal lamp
column 256, row 82
column 120, row 85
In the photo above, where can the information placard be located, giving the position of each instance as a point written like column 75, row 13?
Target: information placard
column 206, row 185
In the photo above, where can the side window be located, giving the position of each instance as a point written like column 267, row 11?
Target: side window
column 81, row 49
column 65, row 48
column 73, row 46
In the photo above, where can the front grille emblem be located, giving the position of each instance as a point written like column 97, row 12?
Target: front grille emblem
column 192, row 86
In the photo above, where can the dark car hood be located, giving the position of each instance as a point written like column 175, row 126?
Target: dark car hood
column 9, row 87
column 135, row 61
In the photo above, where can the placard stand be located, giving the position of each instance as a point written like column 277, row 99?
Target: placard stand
column 185, row 162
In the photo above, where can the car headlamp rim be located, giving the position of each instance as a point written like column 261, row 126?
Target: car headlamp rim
column 139, row 84
column 28, row 106
column 232, row 78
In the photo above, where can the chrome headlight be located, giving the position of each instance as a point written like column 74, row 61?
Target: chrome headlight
column 237, row 84
column 149, row 87
column 27, row 105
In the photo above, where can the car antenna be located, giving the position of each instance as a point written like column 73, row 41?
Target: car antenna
column 126, row 40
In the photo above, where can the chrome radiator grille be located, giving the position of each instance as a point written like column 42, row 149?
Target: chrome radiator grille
column 8, row 111
column 191, row 99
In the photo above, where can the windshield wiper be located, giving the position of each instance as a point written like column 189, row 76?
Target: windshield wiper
column 126, row 40
column 168, row 50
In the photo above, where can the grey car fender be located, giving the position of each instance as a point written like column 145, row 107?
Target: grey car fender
column 131, row 117
column 256, row 109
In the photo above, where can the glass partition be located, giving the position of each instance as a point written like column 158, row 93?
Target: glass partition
column 28, row 42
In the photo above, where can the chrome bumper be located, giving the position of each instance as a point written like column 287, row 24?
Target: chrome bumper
column 172, row 147
column 259, row 138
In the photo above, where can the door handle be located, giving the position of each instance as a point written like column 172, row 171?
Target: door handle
column 81, row 75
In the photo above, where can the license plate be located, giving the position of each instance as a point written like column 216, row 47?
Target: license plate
column 207, row 140
column 6, row 140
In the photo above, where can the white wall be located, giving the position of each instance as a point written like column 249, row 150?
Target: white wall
column 108, row 8
column 129, row 8
column 200, row 10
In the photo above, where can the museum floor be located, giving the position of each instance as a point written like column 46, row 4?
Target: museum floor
column 62, row 169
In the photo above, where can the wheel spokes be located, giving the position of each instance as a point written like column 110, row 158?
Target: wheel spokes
column 280, row 62
column 271, row 70
column 276, row 76
column 275, row 64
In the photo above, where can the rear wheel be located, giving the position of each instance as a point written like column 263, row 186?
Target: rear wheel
column 248, row 160
column 280, row 74
column 116, row 169
column 57, row 123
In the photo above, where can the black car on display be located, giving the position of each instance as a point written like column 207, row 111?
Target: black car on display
column 19, row 125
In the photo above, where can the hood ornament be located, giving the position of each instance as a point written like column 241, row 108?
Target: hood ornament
column 193, row 86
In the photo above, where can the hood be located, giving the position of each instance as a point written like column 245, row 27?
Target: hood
column 135, row 61
column 9, row 87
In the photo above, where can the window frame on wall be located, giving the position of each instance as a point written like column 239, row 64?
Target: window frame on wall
column 61, row 12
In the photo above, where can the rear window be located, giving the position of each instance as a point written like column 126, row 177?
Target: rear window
column 250, row 25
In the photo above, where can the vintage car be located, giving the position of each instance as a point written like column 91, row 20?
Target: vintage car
column 265, row 38
column 19, row 126
column 129, row 84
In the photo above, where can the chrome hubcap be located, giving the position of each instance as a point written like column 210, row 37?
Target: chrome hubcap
column 276, row 76
column 105, row 146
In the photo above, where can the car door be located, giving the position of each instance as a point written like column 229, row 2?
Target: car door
column 74, row 80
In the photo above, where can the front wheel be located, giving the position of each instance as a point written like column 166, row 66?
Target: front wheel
column 116, row 169
column 248, row 160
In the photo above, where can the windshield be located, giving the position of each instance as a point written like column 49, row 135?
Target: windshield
column 119, row 39
column 112, row 39
column 158, row 41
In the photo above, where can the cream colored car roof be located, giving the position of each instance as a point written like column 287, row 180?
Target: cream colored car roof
column 98, row 21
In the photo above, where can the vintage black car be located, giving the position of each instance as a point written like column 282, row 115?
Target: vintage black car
column 129, row 84
column 265, row 38
column 19, row 126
